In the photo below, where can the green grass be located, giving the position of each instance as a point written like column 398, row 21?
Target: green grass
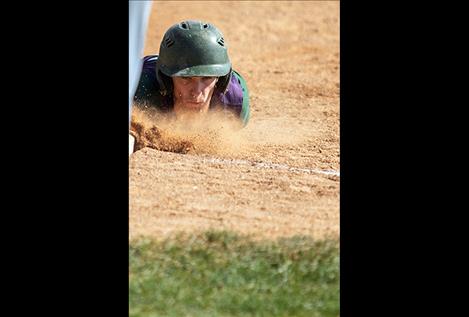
column 222, row 274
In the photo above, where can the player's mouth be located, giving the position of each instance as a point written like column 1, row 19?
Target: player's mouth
column 194, row 105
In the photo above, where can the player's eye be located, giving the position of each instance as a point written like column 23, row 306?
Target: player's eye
column 208, row 79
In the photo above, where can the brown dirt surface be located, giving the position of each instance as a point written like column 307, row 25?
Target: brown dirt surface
column 270, row 179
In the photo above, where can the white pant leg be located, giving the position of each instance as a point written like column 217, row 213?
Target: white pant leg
column 139, row 14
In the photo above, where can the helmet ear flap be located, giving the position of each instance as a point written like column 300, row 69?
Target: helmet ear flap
column 164, row 82
column 223, row 82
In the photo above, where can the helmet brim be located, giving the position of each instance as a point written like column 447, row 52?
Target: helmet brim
column 216, row 70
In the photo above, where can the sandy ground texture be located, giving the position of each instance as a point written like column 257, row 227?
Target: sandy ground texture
column 279, row 175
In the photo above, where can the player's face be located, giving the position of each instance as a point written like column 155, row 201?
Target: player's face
column 193, row 94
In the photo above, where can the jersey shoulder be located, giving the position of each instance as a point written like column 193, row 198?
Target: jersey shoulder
column 148, row 90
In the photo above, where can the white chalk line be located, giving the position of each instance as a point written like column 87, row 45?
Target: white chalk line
column 266, row 165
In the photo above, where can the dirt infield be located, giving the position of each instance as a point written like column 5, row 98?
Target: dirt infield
column 279, row 175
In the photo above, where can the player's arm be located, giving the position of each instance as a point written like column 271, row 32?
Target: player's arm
column 245, row 111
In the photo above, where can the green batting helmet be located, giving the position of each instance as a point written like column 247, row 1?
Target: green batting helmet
column 193, row 48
